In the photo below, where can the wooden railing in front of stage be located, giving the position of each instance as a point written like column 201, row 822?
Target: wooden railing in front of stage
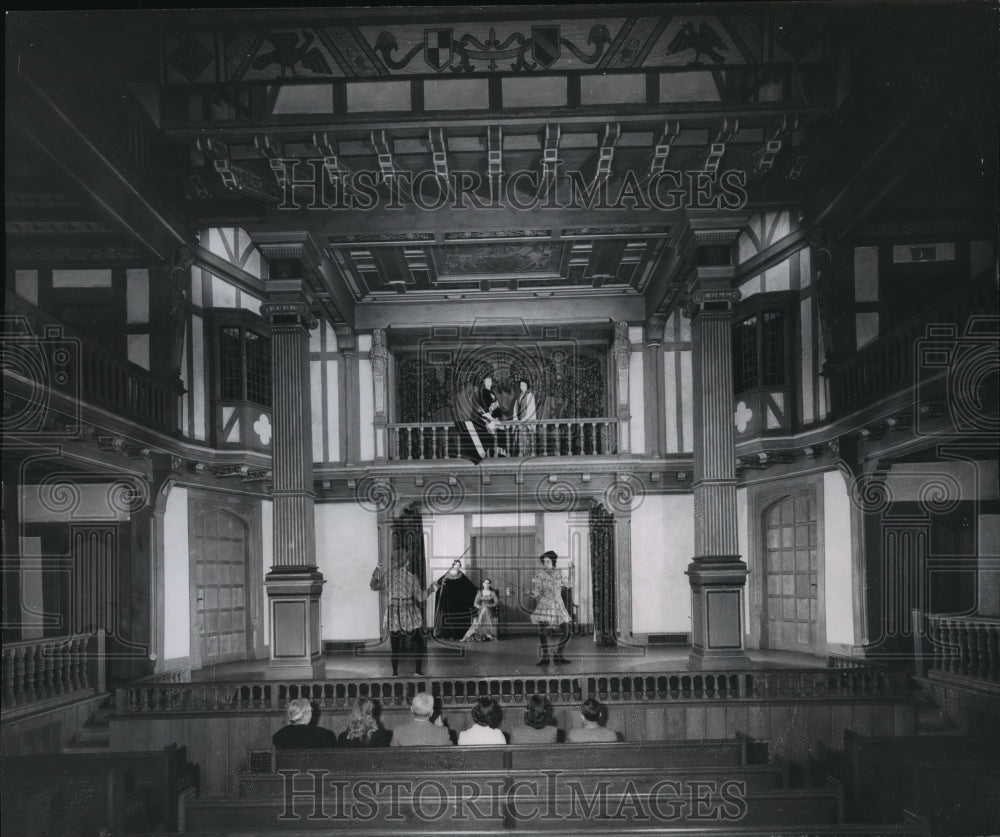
column 750, row 686
column 549, row 437
column 39, row 673
column 967, row 646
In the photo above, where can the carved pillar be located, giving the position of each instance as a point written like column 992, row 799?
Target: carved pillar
column 294, row 584
column 380, row 377
column 350, row 415
column 622, row 352
column 717, row 575
column 655, row 424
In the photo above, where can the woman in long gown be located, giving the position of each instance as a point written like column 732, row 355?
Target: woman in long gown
column 484, row 625
column 523, row 413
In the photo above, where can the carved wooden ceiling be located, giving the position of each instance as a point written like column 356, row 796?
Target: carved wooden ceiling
column 440, row 153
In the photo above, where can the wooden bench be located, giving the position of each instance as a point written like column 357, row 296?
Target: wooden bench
column 166, row 775
column 949, row 780
column 708, row 753
column 73, row 805
column 396, row 804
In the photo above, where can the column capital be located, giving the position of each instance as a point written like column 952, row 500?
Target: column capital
column 294, row 314
column 711, row 301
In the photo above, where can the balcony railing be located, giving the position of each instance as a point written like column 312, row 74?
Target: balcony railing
column 42, row 672
column 93, row 374
column 549, row 437
column 967, row 646
column 778, row 685
column 886, row 366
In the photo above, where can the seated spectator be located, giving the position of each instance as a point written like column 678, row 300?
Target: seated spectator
column 363, row 728
column 593, row 731
column 421, row 731
column 539, row 725
column 302, row 732
column 485, row 720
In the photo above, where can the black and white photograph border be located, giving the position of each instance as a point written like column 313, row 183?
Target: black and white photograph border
column 507, row 419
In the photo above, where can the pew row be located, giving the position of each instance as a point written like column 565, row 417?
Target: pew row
column 104, row 802
column 164, row 776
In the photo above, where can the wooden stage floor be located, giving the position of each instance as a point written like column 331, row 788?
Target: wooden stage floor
column 508, row 657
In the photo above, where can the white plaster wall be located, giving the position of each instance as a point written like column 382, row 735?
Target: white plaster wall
column 346, row 554
column 366, row 403
column 526, row 520
column 176, row 577
column 662, row 548
column 838, row 579
column 447, row 537
column 267, row 555
column 743, row 544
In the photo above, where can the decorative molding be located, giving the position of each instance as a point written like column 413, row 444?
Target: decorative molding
column 99, row 253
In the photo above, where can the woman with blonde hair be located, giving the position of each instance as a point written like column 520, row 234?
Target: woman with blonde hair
column 363, row 728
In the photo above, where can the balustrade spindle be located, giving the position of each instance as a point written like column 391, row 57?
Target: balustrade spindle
column 49, row 662
column 29, row 674
column 8, row 678
column 81, row 646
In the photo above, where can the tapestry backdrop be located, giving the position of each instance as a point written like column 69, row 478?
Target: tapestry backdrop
column 441, row 384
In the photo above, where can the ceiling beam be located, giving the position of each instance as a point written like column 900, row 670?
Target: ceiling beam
column 120, row 194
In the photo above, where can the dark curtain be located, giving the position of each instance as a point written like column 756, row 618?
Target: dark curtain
column 408, row 539
column 602, row 562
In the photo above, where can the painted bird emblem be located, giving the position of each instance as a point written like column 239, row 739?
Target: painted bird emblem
column 704, row 41
column 288, row 52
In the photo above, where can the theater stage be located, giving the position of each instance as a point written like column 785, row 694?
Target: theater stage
column 513, row 657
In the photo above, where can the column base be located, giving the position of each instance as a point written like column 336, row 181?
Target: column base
column 293, row 601
column 717, row 611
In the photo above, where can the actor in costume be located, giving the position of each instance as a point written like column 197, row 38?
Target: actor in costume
column 524, row 411
column 454, row 603
column 484, row 626
column 403, row 615
column 550, row 614
column 488, row 415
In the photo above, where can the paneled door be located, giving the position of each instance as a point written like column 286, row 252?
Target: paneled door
column 510, row 561
column 221, row 555
column 791, row 554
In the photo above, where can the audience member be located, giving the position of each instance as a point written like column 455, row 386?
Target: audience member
column 539, row 725
column 485, row 720
column 363, row 728
column 421, row 731
column 301, row 733
column 594, row 716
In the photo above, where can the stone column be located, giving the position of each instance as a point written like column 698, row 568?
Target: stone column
column 294, row 584
column 717, row 575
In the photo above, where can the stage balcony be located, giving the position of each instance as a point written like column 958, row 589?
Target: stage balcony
column 435, row 441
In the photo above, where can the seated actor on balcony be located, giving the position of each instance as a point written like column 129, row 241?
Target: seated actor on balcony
column 404, row 618
column 550, row 613
column 488, row 415
column 301, row 733
column 524, row 411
